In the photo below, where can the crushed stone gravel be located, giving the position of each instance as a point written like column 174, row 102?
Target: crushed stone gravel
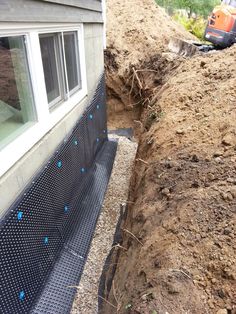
column 86, row 300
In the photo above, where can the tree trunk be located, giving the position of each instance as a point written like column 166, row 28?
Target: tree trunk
column 190, row 12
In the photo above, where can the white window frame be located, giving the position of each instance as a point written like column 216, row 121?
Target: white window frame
column 47, row 117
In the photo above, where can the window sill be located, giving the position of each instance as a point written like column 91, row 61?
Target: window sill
column 19, row 130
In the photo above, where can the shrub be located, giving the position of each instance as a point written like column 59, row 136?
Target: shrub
column 196, row 26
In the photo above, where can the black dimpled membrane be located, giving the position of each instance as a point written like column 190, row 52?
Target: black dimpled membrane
column 46, row 234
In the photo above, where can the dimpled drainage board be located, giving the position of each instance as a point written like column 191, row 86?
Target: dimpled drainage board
column 46, row 234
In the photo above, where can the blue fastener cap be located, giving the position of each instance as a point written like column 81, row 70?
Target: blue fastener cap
column 66, row 208
column 46, row 240
column 19, row 215
column 59, row 164
column 82, row 170
column 22, row 295
column 76, row 142
column 91, row 117
column 98, row 106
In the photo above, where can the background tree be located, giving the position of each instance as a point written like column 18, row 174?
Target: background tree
column 194, row 14
column 198, row 7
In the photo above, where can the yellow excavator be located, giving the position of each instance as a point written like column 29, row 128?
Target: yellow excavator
column 221, row 27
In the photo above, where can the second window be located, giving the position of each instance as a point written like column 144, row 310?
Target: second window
column 60, row 57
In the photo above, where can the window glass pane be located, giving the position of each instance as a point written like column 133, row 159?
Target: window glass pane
column 16, row 98
column 50, row 58
column 72, row 60
column 60, row 58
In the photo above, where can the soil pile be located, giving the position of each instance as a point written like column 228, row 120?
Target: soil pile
column 136, row 30
column 179, row 237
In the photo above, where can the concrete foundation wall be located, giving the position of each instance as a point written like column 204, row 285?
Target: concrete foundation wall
column 21, row 174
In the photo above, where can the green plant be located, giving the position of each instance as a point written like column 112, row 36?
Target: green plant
column 197, row 7
column 196, row 26
column 128, row 306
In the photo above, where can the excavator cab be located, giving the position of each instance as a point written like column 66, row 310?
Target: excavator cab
column 221, row 27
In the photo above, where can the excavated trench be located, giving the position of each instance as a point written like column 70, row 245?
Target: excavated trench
column 175, row 243
column 92, row 289
column 136, row 90
column 132, row 102
column 178, row 250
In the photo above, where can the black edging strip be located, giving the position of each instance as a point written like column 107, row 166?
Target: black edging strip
column 110, row 265
column 127, row 132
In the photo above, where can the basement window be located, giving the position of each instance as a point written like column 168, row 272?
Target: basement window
column 60, row 57
column 42, row 78
column 16, row 100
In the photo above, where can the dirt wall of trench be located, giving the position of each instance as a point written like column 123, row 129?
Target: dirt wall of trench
column 178, row 237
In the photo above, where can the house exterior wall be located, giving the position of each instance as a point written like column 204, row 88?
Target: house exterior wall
column 71, row 11
column 86, row 4
column 14, row 181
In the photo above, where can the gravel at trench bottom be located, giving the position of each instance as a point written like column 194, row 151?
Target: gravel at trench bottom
column 86, row 300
